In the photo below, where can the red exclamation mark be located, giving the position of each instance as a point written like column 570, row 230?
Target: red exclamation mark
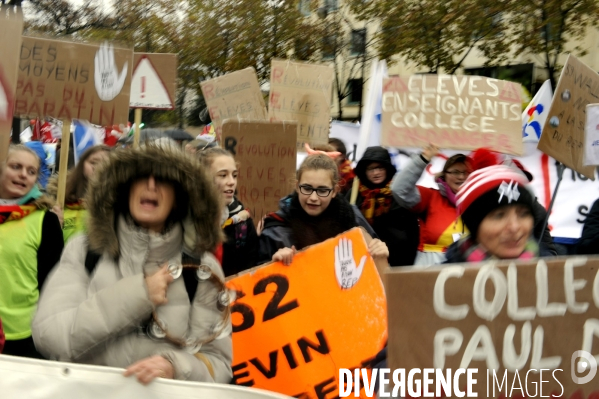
column 143, row 86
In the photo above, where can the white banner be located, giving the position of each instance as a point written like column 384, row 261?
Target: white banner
column 591, row 136
column 22, row 378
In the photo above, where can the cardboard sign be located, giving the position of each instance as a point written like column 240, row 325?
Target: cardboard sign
column 591, row 135
column 563, row 134
column 11, row 26
column 68, row 80
column 507, row 316
column 154, row 81
column 295, row 326
column 302, row 92
column 266, row 155
column 234, row 96
column 452, row 112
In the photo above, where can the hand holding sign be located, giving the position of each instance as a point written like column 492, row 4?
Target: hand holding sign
column 106, row 77
column 345, row 266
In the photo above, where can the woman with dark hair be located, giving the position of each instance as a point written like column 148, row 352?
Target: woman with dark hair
column 346, row 172
column 392, row 221
column 121, row 295
column 30, row 245
column 436, row 209
column 312, row 214
column 77, row 182
column 497, row 208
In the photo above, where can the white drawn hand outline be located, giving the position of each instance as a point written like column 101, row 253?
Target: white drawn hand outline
column 107, row 80
column 345, row 265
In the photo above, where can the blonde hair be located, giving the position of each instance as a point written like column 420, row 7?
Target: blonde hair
column 21, row 147
column 319, row 162
column 208, row 156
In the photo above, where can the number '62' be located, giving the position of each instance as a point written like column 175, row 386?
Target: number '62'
column 274, row 307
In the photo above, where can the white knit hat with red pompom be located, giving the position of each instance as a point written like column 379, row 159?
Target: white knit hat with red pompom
column 489, row 188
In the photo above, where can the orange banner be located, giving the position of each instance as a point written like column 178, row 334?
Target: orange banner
column 295, row 326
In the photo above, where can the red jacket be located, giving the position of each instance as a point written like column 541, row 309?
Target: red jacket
column 439, row 221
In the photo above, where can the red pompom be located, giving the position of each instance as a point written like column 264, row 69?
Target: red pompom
column 482, row 158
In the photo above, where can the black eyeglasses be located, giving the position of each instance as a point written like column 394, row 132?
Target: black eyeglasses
column 321, row 192
column 458, row 173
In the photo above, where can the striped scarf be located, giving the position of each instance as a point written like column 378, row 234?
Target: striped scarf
column 376, row 201
column 346, row 174
column 473, row 252
column 15, row 212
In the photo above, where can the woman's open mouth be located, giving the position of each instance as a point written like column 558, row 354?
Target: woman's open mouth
column 149, row 203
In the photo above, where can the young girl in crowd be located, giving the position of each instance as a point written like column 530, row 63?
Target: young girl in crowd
column 312, row 214
column 131, row 307
column 497, row 208
column 435, row 208
column 240, row 247
column 77, row 182
column 394, row 223
column 30, row 245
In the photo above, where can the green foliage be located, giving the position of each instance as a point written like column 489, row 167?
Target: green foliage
column 543, row 27
column 437, row 35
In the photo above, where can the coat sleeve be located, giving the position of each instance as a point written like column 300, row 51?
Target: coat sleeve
column 541, row 230
column 404, row 182
column 51, row 246
column 270, row 241
column 68, row 323
column 589, row 240
column 251, row 243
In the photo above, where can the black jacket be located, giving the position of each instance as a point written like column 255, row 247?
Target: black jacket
column 290, row 225
column 240, row 249
column 542, row 230
column 399, row 227
column 589, row 240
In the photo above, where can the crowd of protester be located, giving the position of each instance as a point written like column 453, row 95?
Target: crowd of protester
column 131, row 272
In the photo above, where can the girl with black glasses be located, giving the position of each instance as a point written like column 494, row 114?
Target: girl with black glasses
column 312, row 214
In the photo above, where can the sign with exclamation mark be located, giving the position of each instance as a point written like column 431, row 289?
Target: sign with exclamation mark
column 154, row 81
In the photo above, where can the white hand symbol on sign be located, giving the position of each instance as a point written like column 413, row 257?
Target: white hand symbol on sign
column 345, row 266
column 107, row 80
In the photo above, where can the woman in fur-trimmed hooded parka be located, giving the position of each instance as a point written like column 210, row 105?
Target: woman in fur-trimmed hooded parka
column 120, row 296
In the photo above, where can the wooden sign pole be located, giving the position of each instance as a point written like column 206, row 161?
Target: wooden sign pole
column 137, row 123
column 64, row 162
column 354, row 191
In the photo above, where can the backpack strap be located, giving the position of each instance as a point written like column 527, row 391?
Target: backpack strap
column 191, row 284
column 91, row 260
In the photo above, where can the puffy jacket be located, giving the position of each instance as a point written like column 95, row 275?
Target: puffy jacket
column 99, row 318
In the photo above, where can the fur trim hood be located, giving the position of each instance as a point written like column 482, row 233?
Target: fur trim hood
column 201, row 225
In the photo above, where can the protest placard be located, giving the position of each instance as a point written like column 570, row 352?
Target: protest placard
column 453, row 112
column 74, row 380
column 154, row 81
column 266, row 155
column 11, row 25
column 302, row 92
column 504, row 319
column 295, row 326
column 68, row 80
column 235, row 95
column 591, row 136
column 563, row 134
